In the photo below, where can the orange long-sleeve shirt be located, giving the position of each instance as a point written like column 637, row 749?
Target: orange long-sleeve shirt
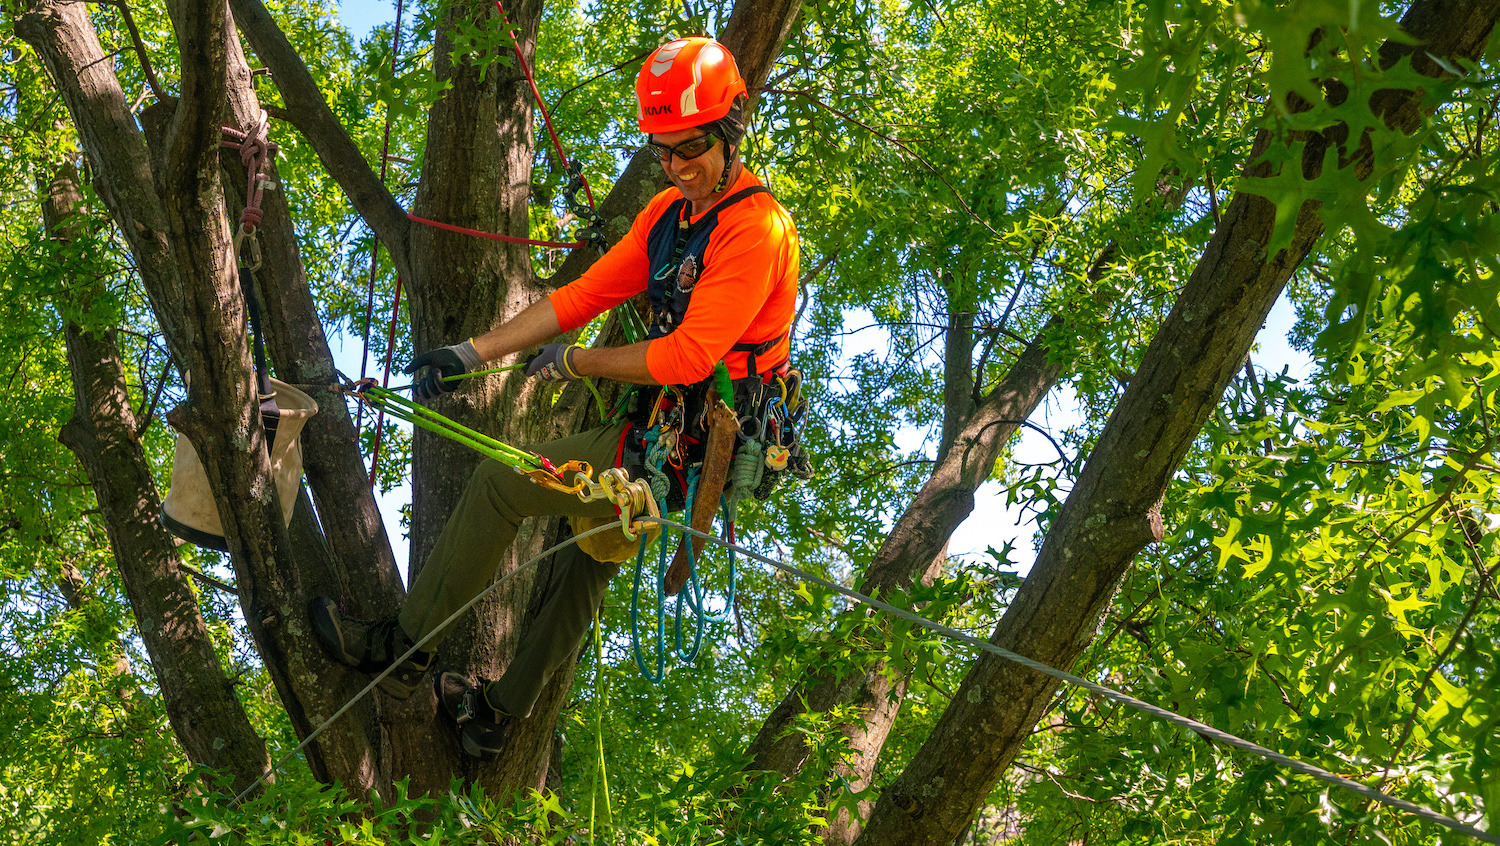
column 746, row 292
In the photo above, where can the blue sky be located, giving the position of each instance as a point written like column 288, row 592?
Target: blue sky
column 360, row 16
column 993, row 522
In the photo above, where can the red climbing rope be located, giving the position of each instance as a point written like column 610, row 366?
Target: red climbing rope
column 556, row 145
column 541, row 106
column 510, row 239
column 255, row 147
column 390, row 342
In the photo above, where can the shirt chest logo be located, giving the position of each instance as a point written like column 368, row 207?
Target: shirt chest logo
column 687, row 274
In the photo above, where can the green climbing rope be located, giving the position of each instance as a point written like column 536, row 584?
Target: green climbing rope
column 691, row 602
column 422, row 417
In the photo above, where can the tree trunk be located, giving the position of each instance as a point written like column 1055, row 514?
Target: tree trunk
column 168, row 199
column 1113, row 510
column 205, row 714
column 169, row 208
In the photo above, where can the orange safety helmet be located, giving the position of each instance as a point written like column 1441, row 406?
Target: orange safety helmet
column 686, row 83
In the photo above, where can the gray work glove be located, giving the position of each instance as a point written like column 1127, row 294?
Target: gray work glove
column 553, row 362
column 442, row 363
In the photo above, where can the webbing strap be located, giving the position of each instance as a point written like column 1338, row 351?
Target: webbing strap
column 254, row 147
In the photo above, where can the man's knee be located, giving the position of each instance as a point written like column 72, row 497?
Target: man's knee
column 488, row 473
column 500, row 485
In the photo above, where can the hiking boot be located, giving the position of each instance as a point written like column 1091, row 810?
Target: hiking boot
column 482, row 728
column 370, row 647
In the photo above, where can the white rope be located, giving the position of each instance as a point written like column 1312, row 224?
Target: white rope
column 1114, row 695
column 1172, row 717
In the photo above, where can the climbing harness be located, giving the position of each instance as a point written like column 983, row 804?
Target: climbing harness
column 701, row 455
column 704, row 476
column 1156, row 712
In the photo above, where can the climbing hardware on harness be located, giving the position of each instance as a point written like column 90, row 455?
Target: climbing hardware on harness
column 631, row 498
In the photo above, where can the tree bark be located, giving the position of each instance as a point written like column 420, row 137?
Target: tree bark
column 206, row 717
column 1113, row 510
column 171, row 212
column 168, row 199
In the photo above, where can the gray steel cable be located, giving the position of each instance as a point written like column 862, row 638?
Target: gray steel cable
column 1111, row 694
column 1114, row 695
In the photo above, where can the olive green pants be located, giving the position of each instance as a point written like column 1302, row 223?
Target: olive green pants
column 480, row 531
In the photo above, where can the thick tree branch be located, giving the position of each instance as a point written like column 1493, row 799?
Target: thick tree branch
column 66, row 42
column 1112, row 511
column 308, row 110
column 357, row 563
column 206, row 716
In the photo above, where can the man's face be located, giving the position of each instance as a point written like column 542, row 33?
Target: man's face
column 695, row 177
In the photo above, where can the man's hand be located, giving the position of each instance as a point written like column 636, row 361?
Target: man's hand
column 443, row 363
column 553, row 362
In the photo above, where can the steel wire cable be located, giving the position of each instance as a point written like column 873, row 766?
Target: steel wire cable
column 1202, row 729
column 1158, row 712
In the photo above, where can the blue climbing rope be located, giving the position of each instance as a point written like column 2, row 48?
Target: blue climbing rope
column 691, row 602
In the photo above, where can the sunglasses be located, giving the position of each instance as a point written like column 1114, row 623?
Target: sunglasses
column 687, row 150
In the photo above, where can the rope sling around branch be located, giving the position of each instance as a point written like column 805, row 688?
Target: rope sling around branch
column 1111, row 694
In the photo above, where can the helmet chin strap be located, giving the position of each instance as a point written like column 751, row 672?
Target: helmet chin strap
column 729, row 161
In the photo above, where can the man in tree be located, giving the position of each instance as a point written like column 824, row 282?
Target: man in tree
column 718, row 257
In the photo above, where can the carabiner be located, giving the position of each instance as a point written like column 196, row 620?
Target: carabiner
column 766, row 418
column 247, row 233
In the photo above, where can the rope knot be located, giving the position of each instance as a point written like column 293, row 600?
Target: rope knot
column 255, row 144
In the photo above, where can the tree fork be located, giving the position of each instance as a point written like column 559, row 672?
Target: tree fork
column 920, row 535
column 206, row 717
column 172, row 216
column 1111, row 512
